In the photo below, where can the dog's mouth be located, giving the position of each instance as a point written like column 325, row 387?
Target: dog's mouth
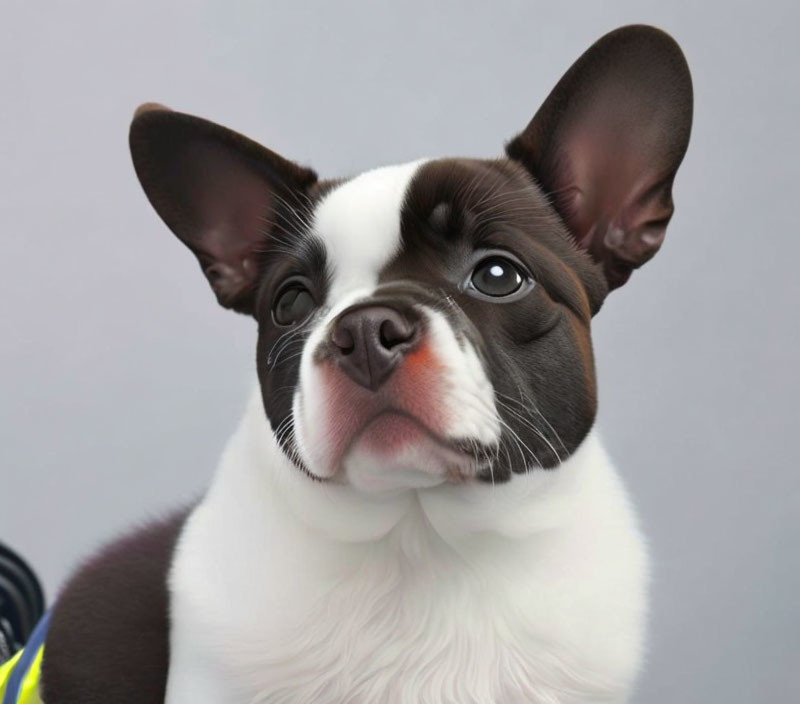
column 395, row 448
column 391, row 430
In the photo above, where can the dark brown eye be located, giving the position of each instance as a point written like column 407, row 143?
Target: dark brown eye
column 293, row 305
column 497, row 277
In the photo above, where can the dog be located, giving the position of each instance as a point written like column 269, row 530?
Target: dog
column 415, row 506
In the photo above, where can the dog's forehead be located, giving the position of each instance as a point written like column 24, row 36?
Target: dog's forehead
column 358, row 223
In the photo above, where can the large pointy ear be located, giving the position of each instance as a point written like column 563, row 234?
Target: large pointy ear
column 216, row 190
column 607, row 142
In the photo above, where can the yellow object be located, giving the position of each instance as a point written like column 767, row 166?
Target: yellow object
column 29, row 688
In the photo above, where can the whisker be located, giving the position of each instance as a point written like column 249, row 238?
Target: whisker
column 526, row 422
column 527, row 404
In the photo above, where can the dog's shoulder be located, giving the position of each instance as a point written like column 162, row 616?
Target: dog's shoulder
column 109, row 633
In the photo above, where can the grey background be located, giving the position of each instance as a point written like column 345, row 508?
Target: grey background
column 120, row 379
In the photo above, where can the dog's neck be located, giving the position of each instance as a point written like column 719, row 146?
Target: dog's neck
column 255, row 472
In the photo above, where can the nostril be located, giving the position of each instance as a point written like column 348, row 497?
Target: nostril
column 343, row 339
column 395, row 331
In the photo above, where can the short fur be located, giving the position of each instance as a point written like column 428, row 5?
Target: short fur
column 109, row 628
column 415, row 507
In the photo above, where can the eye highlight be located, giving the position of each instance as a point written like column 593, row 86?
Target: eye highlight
column 497, row 277
column 293, row 304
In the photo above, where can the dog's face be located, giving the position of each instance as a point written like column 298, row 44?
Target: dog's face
column 427, row 329
column 430, row 322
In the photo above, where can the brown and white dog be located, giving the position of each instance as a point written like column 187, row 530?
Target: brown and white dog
column 415, row 507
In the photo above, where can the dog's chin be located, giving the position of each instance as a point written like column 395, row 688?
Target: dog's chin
column 395, row 451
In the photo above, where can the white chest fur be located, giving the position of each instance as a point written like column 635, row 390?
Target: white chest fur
column 288, row 590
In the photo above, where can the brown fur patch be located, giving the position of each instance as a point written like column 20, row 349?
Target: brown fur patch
column 109, row 635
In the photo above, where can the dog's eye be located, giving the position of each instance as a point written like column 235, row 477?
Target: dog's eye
column 497, row 277
column 293, row 305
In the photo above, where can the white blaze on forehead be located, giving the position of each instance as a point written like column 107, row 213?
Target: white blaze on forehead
column 359, row 224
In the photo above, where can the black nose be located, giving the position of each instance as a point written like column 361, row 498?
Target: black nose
column 370, row 341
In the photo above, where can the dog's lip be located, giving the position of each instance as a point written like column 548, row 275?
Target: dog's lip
column 464, row 449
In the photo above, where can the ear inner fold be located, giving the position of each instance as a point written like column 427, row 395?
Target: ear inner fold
column 607, row 142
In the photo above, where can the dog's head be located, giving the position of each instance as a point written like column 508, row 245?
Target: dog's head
column 430, row 322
